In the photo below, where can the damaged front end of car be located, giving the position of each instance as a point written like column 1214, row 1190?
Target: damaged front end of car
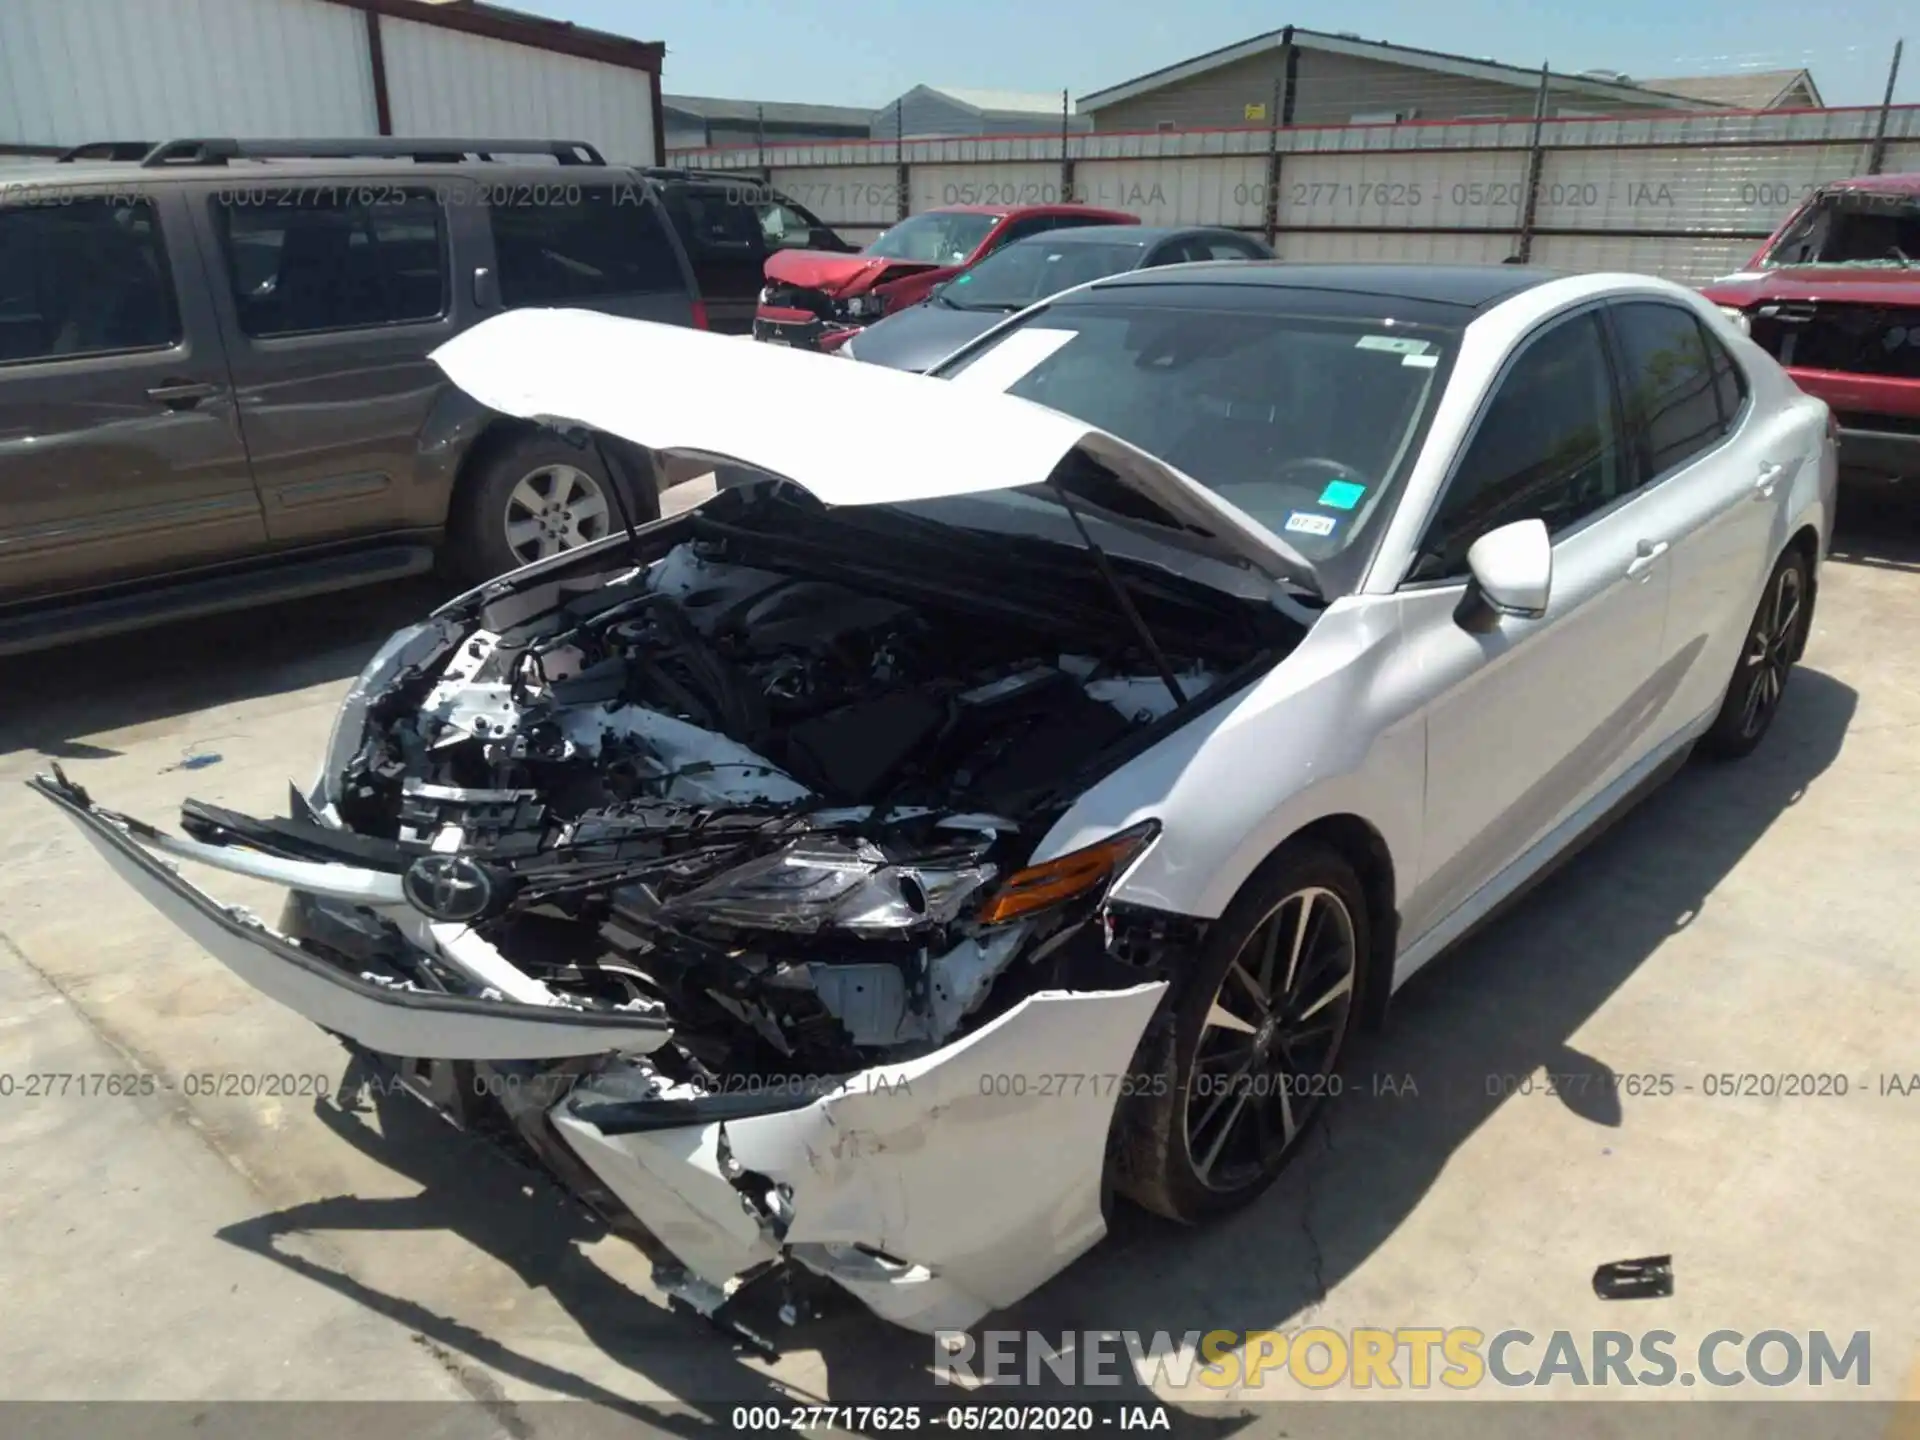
column 714, row 865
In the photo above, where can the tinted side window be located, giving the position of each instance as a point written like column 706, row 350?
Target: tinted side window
column 1547, row 446
column 1226, row 247
column 717, row 222
column 1729, row 380
column 595, row 241
column 301, row 261
column 83, row 277
column 1181, row 252
column 1667, row 383
column 784, row 227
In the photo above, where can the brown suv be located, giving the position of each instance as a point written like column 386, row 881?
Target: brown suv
column 214, row 384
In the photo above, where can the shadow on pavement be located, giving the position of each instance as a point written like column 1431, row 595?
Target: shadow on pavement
column 1492, row 1007
column 1879, row 526
column 54, row 696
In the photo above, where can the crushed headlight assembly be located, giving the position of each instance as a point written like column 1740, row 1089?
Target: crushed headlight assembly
column 1738, row 317
column 812, row 884
column 1069, row 877
column 863, row 307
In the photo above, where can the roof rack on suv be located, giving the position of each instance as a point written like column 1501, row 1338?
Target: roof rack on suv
column 425, row 152
column 106, row 150
column 681, row 172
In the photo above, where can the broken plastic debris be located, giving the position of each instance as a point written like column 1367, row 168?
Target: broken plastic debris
column 1650, row 1278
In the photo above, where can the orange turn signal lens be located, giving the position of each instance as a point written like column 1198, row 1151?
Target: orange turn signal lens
column 1040, row 886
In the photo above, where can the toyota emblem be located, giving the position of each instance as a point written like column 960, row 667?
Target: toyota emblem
column 449, row 887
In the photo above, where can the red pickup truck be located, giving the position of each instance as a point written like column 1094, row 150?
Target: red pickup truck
column 1834, row 295
column 818, row 301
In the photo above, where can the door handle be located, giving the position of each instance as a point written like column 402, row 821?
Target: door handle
column 182, row 394
column 1767, row 480
column 1646, row 552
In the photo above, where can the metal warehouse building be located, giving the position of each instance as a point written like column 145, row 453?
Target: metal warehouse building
column 148, row 70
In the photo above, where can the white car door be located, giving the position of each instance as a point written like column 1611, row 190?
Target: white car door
column 1715, row 466
column 1533, row 718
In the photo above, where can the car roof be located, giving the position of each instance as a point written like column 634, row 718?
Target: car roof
column 1094, row 234
column 1902, row 184
column 1471, row 287
column 1130, row 234
column 1120, row 216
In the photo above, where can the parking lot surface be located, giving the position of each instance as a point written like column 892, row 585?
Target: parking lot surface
column 208, row 1241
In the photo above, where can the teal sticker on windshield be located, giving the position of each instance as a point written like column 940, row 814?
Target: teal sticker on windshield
column 964, row 278
column 1342, row 494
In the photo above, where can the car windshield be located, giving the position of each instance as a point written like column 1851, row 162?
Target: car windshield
column 1014, row 278
column 1853, row 227
column 1306, row 421
column 942, row 237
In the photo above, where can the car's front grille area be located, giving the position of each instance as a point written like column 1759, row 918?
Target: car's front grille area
column 1858, row 339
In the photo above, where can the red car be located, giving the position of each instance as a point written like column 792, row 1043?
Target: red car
column 817, row 301
column 1834, row 295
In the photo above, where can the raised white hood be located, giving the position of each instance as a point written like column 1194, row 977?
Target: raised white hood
column 851, row 434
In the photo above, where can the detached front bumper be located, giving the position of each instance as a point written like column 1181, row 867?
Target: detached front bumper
column 380, row 1017
column 935, row 1189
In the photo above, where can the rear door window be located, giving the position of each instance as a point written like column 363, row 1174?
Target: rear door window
column 307, row 260
column 593, row 242
column 1668, row 383
column 83, row 277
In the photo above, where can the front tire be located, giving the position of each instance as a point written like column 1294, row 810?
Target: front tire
column 1256, row 1039
column 1774, row 641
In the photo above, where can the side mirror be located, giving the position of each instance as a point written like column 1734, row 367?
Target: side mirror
column 1512, row 570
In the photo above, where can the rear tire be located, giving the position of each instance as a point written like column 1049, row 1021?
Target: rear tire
column 1255, row 1044
column 531, row 497
column 1774, row 640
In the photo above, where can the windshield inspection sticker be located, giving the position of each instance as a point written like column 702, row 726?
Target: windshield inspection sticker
column 1393, row 344
column 1342, row 494
column 1420, row 362
column 1302, row 522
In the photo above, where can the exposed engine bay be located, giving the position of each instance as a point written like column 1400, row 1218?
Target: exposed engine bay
column 757, row 784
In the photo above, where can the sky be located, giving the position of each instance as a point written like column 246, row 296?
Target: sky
column 866, row 52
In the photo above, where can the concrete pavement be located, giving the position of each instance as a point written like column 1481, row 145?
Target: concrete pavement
column 1751, row 919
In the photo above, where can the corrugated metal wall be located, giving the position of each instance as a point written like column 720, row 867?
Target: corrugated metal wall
column 445, row 82
column 1684, row 196
column 73, row 70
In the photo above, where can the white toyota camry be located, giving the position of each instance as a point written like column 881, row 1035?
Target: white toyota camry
column 1019, row 785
